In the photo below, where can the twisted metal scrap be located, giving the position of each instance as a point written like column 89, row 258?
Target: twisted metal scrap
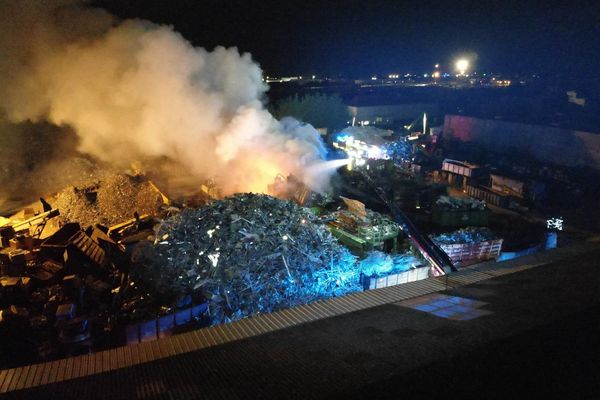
column 465, row 235
column 251, row 253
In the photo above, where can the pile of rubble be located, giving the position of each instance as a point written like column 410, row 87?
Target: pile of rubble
column 112, row 199
column 249, row 253
column 466, row 235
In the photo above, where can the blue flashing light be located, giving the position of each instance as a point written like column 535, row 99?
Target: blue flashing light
column 342, row 137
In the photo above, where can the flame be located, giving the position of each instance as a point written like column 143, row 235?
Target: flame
column 266, row 171
column 258, row 173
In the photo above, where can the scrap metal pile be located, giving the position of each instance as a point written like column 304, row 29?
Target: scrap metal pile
column 466, row 235
column 85, row 269
column 292, row 188
column 111, row 199
column 62, row 273
column 459, row 203
column 249, row 253
column 400, row 150
column 378, row 263
column 378, row 227
column 372, row 226
column 54, row 291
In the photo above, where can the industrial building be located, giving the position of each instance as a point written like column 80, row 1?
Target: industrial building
column 547, row 144
column 386, row 112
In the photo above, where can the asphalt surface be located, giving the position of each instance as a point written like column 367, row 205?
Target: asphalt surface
column 538, row 333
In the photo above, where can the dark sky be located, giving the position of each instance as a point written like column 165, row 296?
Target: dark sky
column 370, row 36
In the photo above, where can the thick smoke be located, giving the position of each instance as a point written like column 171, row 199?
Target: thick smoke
column 137, row 91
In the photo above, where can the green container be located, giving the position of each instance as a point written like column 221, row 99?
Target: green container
column 355, row 244
column 459, row 218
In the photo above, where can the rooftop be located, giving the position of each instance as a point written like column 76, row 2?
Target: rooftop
column 485, row 330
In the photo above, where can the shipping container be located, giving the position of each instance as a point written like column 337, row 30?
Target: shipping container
column 461, row 253
column 489, row 196
column 355, row 244
column 412, row 275
column 162, row 326
column 508, row 185
column 462, row 168
column 458, row 218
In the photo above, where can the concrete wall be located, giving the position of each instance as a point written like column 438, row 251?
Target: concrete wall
column 545, row 143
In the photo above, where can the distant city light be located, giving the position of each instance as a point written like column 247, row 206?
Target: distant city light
column 500, row 82
column 393, row 76
column 462, row 65
column 436, row 74
column 437, row 66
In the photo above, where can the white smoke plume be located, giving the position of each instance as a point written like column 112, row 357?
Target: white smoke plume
column 133, row 90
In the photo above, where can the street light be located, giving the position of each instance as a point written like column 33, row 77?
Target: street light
column 462, row 65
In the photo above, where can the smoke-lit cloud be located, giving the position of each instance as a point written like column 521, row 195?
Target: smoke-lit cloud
column 133, row 90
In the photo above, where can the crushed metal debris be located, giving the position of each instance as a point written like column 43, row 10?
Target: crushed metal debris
column 465, row 235
column 249, row 253
column 460, row 203
column 110, row 200
column 378, row 263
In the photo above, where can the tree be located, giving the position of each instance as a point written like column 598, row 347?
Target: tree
column 319, row 110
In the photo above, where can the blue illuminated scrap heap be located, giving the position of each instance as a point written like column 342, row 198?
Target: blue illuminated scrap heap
column 379, row 264
column 248, row 254
column 466, row 235
column 254, row 253
column 399, row 151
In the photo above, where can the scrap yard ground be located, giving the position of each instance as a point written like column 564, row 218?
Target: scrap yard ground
column 533, row 331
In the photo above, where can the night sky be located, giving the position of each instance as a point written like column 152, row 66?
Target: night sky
column 358, row 38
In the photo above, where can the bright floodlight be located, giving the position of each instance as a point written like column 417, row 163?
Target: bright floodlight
column 462, row 65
